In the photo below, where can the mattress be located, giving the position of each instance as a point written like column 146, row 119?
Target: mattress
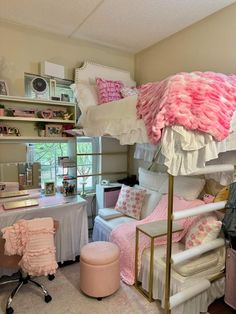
column 117, row 119
column 183, row 276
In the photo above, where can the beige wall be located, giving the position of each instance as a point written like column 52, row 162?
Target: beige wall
column 22, row 49
column 207, row 45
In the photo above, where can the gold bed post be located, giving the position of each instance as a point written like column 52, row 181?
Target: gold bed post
column 169, row 243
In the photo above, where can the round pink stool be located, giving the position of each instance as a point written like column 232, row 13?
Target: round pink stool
column 99, row 269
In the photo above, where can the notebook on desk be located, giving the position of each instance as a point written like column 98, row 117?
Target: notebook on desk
column 20, row 204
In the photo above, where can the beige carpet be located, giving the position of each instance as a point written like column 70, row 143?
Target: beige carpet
column 67, row 298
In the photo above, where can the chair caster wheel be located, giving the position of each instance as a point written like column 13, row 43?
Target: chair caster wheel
column 99, row 299
column 9, row 310
column 51, row 277
column 47, row 298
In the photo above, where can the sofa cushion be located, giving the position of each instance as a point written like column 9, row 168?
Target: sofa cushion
column 109, row 213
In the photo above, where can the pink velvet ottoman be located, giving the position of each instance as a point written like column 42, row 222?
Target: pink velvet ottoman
column 99, row 269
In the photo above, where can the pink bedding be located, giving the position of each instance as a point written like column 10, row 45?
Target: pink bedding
column 124, row 234
column 202, row 101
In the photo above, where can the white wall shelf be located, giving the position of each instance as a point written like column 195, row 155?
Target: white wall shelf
column 25, row 119
column 26, row 125
column 33, row 139
column 36, row 101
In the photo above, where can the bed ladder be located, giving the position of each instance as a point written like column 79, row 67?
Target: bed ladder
column 181, row 297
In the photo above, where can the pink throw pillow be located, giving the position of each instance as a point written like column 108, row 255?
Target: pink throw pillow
column 130, row 201
column 203, row 230
column 108, row 90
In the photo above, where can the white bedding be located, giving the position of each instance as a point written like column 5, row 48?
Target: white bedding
column 197, row 304
column 117, row 119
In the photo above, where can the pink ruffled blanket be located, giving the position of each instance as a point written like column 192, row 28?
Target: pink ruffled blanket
column 34, row 240
column 124, row 235
column 202, row 101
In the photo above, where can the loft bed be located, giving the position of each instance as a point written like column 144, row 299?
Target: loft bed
column 118, row 119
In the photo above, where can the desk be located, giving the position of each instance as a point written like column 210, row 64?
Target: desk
column 73, row 223
column 153, row 230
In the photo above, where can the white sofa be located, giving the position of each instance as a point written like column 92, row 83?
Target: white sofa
column 155, row 184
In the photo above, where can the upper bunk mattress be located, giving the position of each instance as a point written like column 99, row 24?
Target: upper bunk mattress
column 117, row 119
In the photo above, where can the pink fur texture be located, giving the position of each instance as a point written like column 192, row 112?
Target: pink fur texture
column 202, row 101
column 124, row 234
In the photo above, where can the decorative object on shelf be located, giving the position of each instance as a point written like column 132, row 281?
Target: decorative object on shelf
column 45, row 114
column 28, row 113
column 68, row 189
column 83, row 183
column 67, row 116
column 5, row 130
column 58, row 114
column 40, row 126
column 53, row 86
column 52, row 69
column 13, row 131
column 2, row 110
column 56, row 98
column 66, row 162
column 65, row 97
column 54, row 130
column 3, row 88
column 49, row 188
column 39, row 86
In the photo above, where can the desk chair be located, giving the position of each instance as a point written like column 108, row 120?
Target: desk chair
column 12, row 262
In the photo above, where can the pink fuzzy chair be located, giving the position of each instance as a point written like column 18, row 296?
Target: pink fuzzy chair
column 99, row 269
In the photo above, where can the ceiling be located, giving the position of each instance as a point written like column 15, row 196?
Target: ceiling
column 130, row 25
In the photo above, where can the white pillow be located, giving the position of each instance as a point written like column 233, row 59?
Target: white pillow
column 151, row 200
column 86, row 95
column 152, row 180
column 187, row 187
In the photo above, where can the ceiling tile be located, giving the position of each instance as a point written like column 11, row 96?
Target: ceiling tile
column 57, row 16
column 136, row 24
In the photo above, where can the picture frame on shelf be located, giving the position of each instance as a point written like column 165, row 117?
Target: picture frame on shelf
column 49, row 188
column 54, row 130
column 4, row 88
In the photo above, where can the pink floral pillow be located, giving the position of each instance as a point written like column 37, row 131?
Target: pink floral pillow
column 205, row 229
column 108, row 90
column 130, row 201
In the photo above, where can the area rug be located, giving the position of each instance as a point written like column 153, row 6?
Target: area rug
column 68, row 299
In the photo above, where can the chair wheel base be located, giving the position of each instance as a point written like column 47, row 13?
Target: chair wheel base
column 47, row 298
column 9, row 310
column 51, row 277
column 99, row 299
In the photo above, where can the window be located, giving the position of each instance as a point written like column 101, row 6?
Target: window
column 88, row 163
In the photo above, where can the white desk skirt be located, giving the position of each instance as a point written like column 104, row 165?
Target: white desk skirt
column 73, row 223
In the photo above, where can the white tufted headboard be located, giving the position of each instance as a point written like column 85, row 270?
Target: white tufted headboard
column 89, row 71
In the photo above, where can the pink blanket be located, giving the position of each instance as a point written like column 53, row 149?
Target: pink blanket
column 34, row 240
column 124, row 234
column 202, row 101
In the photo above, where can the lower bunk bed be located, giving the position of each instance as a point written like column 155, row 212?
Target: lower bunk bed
column 207, row 266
